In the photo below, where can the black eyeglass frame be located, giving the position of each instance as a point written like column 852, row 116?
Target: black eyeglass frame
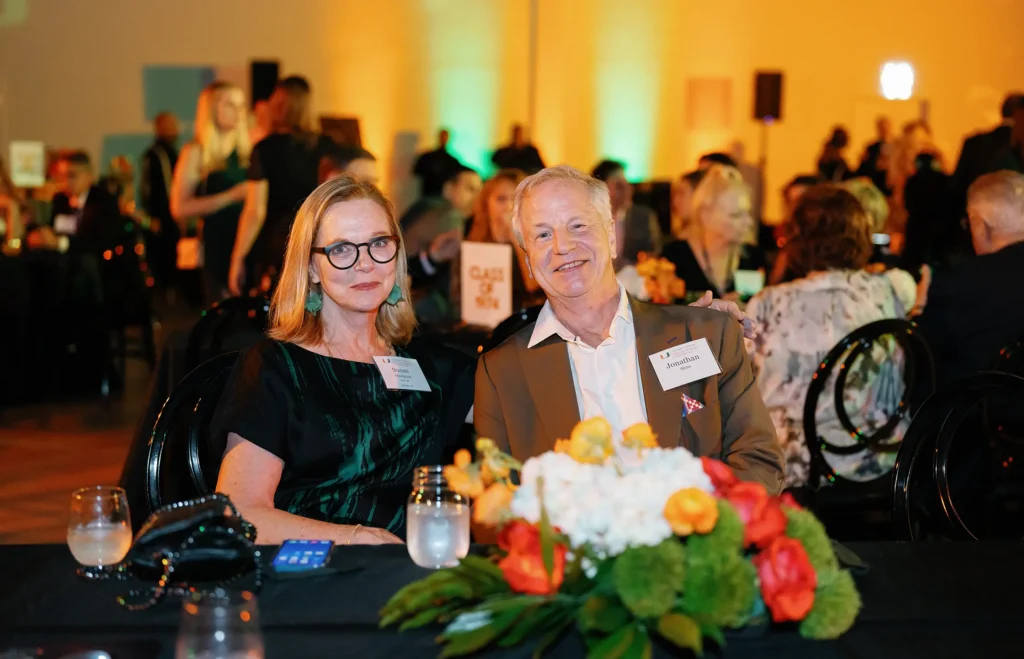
column 326, row 249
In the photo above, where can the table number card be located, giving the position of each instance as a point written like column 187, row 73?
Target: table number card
column 486, row 283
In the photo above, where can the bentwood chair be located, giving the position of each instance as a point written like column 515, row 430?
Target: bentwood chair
column 228, row 325
column 956, row 478
column 858, row 506
column 184, row 453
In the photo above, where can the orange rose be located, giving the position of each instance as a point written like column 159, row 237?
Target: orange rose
column 523, row 567
column 462, row 458
column 762, row 516
column 492, row 507
column 562, row 446
column 691, row 510
column 466, row 482
column 787, row 579
column 721, row 475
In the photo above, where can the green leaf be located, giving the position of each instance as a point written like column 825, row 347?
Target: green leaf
column 603, row 614
column 547, row 534
column 424, row 617
column 482, row 566
column 714, row 632
column 462, row 643
column 681, row 630
column 640, row 648
column 552, row 636
column 539, row 618
column 615, row 645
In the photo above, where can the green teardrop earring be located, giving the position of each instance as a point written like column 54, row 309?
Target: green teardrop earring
column 396, row 295
column 314, row 302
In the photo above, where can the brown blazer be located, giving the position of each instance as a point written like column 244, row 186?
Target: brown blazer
column 525, row 398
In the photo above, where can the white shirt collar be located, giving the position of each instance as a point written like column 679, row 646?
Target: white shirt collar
column 548, row 323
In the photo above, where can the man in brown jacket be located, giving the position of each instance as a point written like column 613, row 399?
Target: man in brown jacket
column 595, row 351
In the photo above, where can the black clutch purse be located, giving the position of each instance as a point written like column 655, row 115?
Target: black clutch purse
column 202, row 541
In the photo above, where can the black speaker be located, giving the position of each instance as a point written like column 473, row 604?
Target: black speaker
column 262, row 79
column 768, row 95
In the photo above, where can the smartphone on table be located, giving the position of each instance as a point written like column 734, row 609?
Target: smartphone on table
column 302, row 555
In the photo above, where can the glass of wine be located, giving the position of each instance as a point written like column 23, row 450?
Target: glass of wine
column 99, row 530
column 220, row 625
column 437, row 520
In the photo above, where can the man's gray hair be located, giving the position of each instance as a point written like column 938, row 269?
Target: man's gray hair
column 597, row 190
column 1004, row 190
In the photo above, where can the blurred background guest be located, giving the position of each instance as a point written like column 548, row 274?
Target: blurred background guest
column 636, row 226
column 982, row 152
column 874, row 164
column 828, row 244
column 432, row 167
column 682, row 203
column 283, row 170
column 492, row 223
column 914, row 140
column 791, row 194
column 973, row 310
column 209, row 181
column 718, row 243
column 832, row 164
column 519, row 154
column 84, row 212
column 715, row 158
column 876, row 206
column 318, row 446
column 352, row 160
column 158, row 163
column 13, row 210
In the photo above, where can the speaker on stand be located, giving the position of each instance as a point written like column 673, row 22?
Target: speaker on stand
column 767, row 110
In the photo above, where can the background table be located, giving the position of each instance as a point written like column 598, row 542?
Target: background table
column 920, row 600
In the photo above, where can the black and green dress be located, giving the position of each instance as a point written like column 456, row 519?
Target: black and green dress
column 348, row 443
column 219, row 228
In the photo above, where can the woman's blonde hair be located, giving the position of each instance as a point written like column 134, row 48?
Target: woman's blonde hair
column 717, row 181
column 289, row 320
column 210, row 139
column 480, row 225
column 872, row 199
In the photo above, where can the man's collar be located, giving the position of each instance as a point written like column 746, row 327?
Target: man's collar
column 548, row 323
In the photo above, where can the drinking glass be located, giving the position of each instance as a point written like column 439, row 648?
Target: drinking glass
column 437, row 520
column 220, row 625
column 99, row 530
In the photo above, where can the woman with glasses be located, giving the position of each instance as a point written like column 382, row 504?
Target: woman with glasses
column 318, row 446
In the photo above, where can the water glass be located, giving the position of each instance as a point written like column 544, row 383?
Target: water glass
column 220, row 625
column 99, row 529
column 437, row 520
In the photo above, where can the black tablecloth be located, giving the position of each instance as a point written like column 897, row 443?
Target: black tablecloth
column 953, row 600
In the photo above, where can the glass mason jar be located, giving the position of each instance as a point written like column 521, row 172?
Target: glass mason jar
column 437, row 520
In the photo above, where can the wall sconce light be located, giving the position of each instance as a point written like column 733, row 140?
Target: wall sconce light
column 897, row 81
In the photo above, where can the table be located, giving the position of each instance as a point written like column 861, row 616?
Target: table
column 937, row 600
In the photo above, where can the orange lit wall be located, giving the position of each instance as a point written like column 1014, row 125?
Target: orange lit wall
column 612, row 76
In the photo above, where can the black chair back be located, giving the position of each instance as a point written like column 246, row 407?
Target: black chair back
column 228, row 325
column 918, row 379
column 510, row 326
column 1011, row 358
column 955, row 477
column 184, row 457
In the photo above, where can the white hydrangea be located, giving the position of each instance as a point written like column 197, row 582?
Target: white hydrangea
column 610, row 506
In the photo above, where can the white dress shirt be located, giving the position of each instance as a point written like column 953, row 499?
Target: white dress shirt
column 606, row 378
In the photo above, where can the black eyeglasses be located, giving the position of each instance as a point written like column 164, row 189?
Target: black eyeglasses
column 343, row 255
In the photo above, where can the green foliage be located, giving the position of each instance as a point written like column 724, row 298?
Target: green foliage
column 441, row 593
column 628, row 642
column 547, row 534
column 603, row 614
column 720, row 587
column 648, row 578
column 836, row 603
column 727, row 536
column 681, row 630
column 802, row 525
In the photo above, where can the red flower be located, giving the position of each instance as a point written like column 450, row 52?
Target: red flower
column 762, row 516
column 787, row 580
column 523, row 567
column 721, row 475
column 789, row 501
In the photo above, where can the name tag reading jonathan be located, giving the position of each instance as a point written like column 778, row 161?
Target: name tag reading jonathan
column 402, row 374
column 684, row 364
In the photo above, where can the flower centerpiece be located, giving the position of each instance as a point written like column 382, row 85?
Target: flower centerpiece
column 665, row 544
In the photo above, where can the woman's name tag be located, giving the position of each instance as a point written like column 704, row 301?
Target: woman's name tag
column 684, row 364
column 402, row 374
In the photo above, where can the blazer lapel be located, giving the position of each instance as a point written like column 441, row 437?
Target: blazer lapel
column 549, row 379
column 665, row 408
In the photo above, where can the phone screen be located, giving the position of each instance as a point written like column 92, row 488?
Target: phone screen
column 296, row 555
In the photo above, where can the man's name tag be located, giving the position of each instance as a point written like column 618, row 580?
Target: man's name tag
column 402, row 374
column 684, row 364
column 65, row 224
